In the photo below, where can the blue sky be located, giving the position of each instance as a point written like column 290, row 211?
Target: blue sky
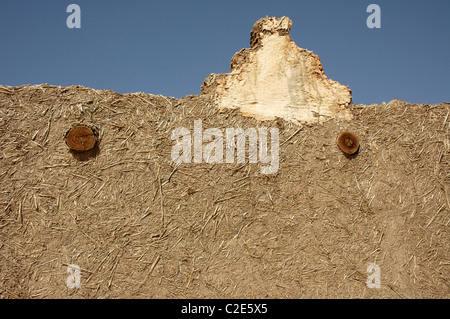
column 169, row 47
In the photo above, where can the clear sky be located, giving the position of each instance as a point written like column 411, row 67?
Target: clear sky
column 168, row 47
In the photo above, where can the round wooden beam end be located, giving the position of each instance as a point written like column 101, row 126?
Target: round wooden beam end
column 81, row 138
column 348, row 143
